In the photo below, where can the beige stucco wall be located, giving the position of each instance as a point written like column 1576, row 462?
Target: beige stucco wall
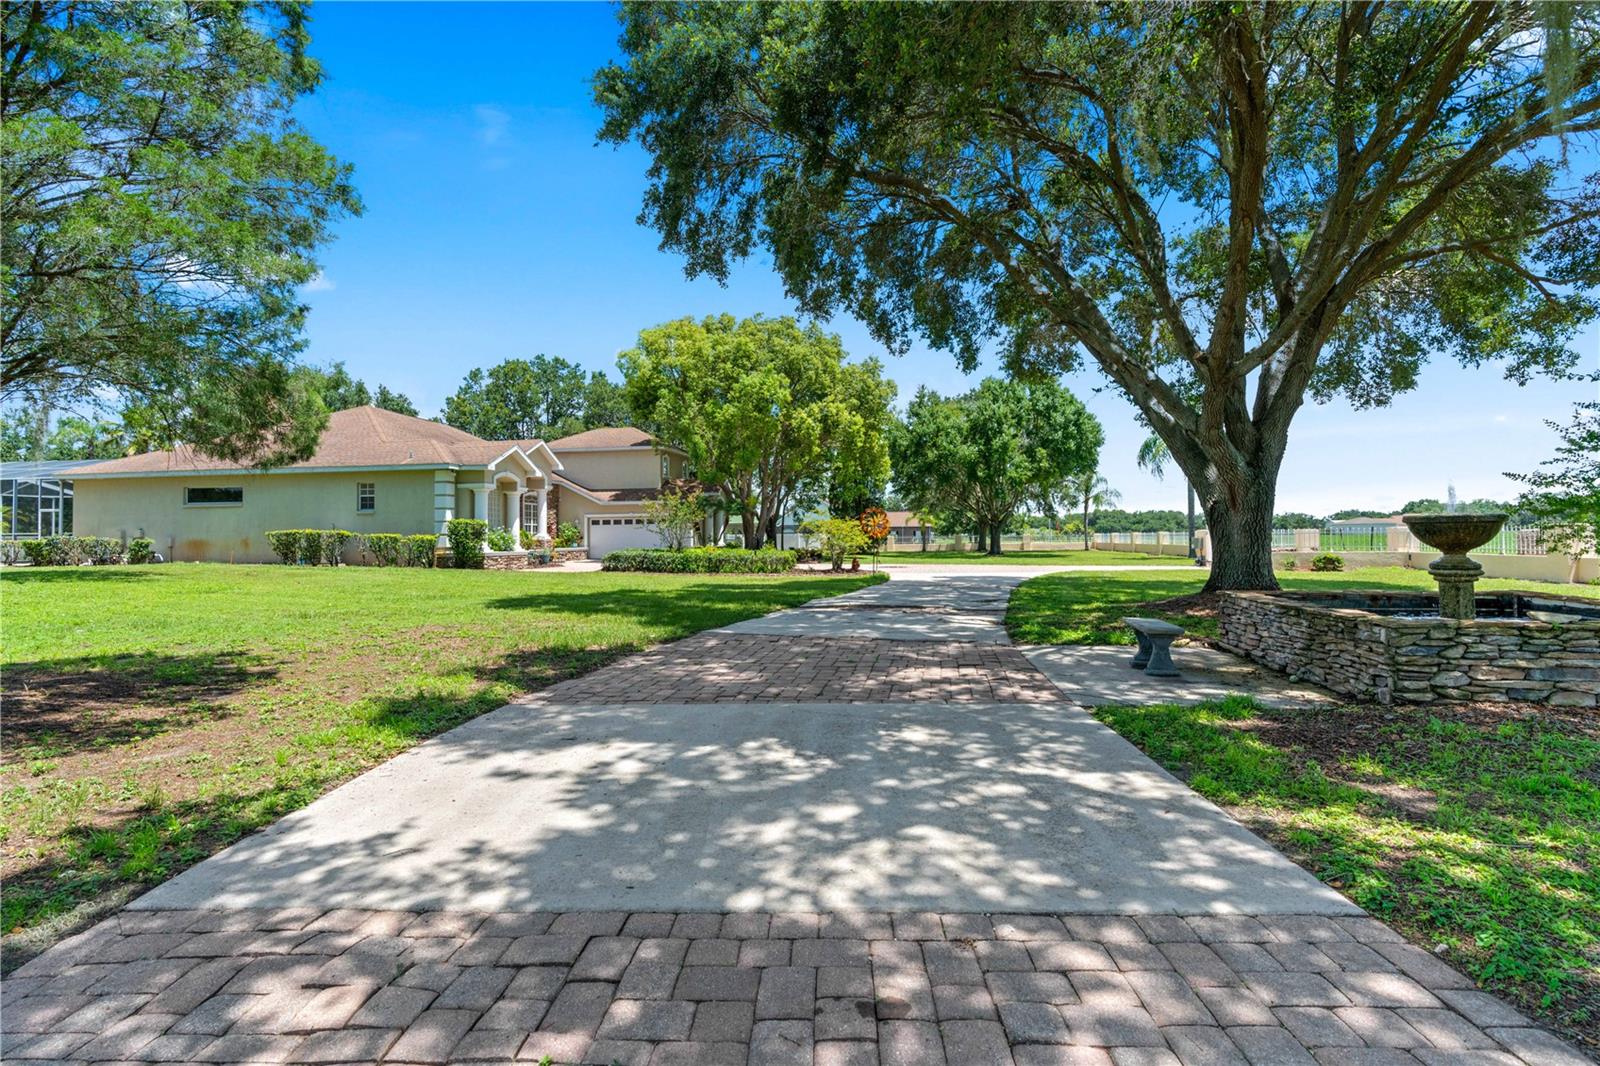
column 632, row 469
column 571, row 507
column 153, row 507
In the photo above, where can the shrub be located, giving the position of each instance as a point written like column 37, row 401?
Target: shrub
column 330, row 544
column 141, row 550
column 11, row 552
column 527, row 539
column 499, row 539
column 420, row 548
column 101, row 551
column 310, row 546
column 1327, row 563
column 700, row 561
column 1290, row 564
column 466, row 542
column 37, row 551
column 839, row 537
column 286, row 543
column 674, row 516
column 65, row 551
column 387, row 548
column 568, row 535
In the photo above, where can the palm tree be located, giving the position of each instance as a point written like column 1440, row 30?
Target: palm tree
column 1092, row 490
column 1154, row 455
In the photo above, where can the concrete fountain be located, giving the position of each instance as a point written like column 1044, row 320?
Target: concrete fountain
column 1454, row 535
column 1392, row 646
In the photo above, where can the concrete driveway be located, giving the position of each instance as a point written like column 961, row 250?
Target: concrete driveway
column 860, row 833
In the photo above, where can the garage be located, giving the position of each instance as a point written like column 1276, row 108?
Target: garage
column 606, row 535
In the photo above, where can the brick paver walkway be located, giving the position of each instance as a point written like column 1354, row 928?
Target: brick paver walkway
column 705, row 989
column 724, row 668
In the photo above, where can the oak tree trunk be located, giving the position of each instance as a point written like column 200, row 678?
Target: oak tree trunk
column 994, row 539
column 1241, row 537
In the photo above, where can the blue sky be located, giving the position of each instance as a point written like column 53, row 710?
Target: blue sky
column 496, row 227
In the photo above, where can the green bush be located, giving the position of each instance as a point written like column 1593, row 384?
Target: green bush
column 527, row 539
column 11, row 552
column 141, row 550
column 286, row 543
column 420, row 548
column 466, row 542
column 101, row 551
column 387, row 548
column 568, row 535
column 310, row 552
column 839, row 536
column 700, row 561
column 499, row 539
column 37, row 551
column 1327, row 563
column 332, row 543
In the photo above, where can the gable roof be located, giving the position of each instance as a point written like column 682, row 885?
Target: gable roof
column 610, row 438
column 358, row 437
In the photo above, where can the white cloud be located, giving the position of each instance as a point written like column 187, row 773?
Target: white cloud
column 492, row 123
column 319, row 283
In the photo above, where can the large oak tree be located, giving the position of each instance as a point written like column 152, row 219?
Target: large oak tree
column 1227, row 207
column 161, row 208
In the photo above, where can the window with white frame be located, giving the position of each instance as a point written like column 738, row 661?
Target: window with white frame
column 666, row 469
column 366, row 497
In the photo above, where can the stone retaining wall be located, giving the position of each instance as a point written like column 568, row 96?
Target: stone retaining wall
column 1336, row 640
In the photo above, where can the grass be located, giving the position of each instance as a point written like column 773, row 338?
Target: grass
column 1475, row 829
column 156, row 714
column 1051, row 557
column 1087, row 608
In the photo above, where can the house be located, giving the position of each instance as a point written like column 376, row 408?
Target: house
column 604, row 477
column 905, row 527
column 377, row 471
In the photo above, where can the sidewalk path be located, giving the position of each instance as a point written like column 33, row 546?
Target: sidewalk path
column 865, row 831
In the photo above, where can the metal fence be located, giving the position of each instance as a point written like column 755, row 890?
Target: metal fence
column 1511, row 540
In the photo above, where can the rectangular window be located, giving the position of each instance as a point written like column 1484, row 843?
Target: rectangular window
column 210, row 495
column 366, row 497
column 666, row 469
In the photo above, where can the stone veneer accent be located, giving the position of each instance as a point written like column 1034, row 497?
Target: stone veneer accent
column 1335, row 640
column 522, row 559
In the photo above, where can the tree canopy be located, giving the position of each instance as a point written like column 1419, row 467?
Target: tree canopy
column 985, row 454
column 764, row 407
column 161, row 207
column 545, row 397
column 1563, row 497
column 339, row 391
column 1229, row 208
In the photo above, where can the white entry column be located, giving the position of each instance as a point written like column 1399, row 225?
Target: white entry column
column 480, row 502
column 544, row 514
column 514, row 501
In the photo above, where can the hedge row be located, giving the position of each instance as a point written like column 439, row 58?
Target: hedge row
column 322, row 547
column 75, row 551
column 701, row 561
column 400, row 549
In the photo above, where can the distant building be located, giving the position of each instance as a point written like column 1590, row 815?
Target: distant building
column 1366, row 524
column 34, row 499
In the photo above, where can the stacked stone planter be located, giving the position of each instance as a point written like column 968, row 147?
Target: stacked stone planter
column 1534, row 648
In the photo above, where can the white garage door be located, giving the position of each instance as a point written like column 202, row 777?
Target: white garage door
column 606, row 535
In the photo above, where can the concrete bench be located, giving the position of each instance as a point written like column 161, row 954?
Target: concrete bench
column 1155, row 646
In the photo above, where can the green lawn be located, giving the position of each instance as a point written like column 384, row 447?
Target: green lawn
column 155, row 714
column 1053, row 557
column 1475, row 829
column 1087, row 608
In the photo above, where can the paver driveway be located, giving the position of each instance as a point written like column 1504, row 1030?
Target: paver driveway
column 716, row 852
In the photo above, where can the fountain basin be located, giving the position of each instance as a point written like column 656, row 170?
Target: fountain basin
column 1393, row 647
column 1454, row 534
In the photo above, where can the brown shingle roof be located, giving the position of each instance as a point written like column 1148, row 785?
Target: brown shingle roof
column 360, row 437
column 605, row 437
